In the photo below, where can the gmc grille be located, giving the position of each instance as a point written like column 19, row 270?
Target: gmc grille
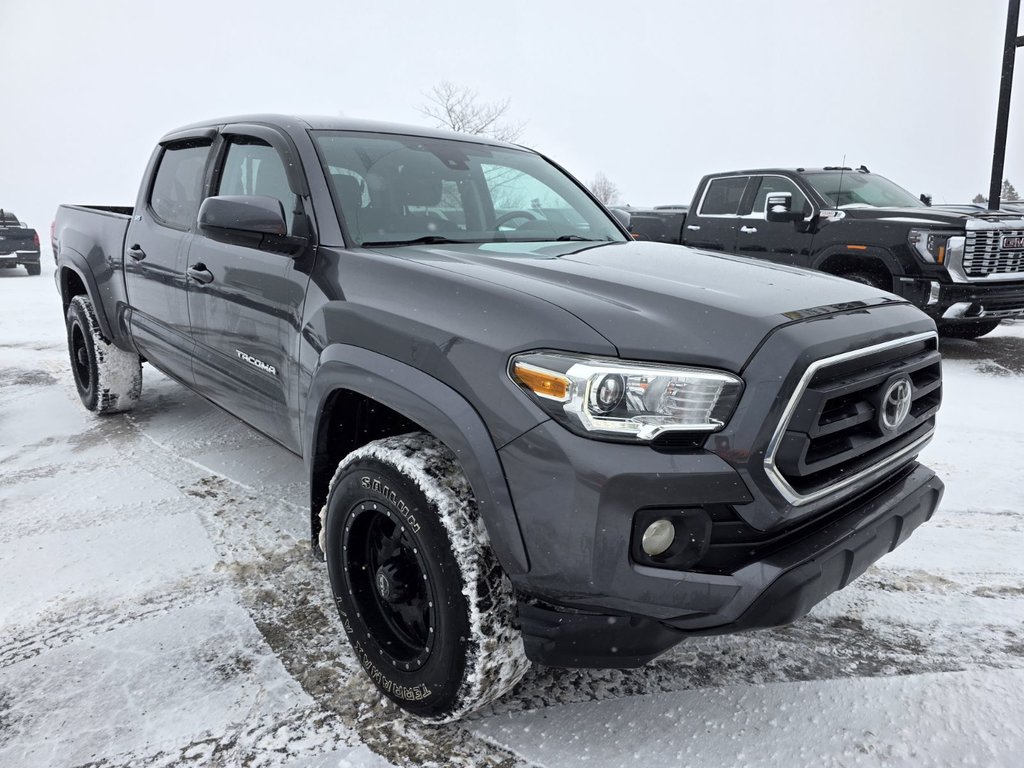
column 984, row 254
column 839, row 426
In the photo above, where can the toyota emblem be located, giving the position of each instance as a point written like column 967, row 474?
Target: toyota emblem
column 896, row 402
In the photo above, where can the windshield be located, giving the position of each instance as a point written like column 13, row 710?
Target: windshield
column 395, row 190
column 851, row 188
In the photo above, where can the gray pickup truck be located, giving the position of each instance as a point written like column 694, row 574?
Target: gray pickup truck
column 528, row 437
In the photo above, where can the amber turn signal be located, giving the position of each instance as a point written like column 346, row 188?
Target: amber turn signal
column 544, row 383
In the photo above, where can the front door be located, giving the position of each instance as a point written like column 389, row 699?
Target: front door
column 246, row 310
column 156, row 247
column 783, row 242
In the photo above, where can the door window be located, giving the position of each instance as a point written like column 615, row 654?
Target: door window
column 773, row 184
column 723, row 196
column 256, row 168
column 177, row 187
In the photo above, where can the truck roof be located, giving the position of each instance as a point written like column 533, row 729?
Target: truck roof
column 303, row 123
column 752, row 171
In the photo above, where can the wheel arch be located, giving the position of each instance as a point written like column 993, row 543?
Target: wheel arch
column 840, row 260
column 75, row 279
column 396, row 397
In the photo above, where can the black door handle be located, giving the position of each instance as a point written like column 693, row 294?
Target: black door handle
column 136, row 252
column 200, row 273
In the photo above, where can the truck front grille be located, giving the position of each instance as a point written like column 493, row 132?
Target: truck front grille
column 984, row 254
column 838, row 427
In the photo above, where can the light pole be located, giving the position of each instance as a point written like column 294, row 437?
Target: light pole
column 1012, row 42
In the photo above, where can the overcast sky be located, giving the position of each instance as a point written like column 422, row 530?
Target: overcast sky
column 654, row 94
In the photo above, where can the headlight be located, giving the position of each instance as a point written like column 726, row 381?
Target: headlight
column 930, row 244
column 630, row 400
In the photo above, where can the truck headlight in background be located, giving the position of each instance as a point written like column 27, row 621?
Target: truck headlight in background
column 930, row 244
column 634, row 401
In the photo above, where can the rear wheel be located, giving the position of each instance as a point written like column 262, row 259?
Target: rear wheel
column 32, row 269
column 974, row 330
column 424, row 603
column 108, row 378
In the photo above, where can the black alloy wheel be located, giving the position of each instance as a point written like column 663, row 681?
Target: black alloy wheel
column 389, row 585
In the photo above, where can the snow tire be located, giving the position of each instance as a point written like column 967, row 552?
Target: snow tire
column 108, row 379
column 413, row 488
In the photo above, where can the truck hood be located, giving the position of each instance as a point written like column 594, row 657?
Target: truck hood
column 947, row 217
column 654, row 301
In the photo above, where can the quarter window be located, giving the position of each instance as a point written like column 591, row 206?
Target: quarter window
column 177, row 187
column 723, row 196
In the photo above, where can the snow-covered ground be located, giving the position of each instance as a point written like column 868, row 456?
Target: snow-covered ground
column 158, row 607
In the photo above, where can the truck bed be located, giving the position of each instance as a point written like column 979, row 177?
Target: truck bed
column 658, row 225
column 91, row 240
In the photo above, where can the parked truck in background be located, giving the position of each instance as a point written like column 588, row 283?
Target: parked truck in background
column 963, row 267
column 19, row 244
column 528, row 437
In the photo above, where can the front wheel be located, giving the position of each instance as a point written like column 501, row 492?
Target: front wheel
column 974, row 330
column 424, row 603
column 108, row 378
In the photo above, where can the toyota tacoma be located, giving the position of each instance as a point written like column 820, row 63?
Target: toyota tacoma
column 528, row 437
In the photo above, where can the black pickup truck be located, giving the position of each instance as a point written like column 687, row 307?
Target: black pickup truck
column 19, row 244
column 964, row 267
column 528, row 436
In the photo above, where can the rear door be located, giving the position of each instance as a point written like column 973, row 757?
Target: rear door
column 156, row 247
column 246, row 312
column 782, row 242
column 714, row 223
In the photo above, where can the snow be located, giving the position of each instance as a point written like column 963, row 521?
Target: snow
column 160, row 608
column 964, row 718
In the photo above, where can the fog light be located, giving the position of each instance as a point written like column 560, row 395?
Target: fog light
column 933, row 293
column 658, row 537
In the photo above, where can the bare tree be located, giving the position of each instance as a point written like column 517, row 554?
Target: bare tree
column 604, row 189
column 459, row 108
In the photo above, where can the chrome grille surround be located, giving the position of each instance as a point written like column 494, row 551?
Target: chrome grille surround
column 775, row 475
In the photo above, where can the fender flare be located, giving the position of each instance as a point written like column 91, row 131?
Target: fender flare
column 878, row 253
column 440, row 410
column 77, row 263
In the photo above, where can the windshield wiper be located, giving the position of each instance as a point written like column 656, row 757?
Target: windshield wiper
column 578, row 238
column 425, row 240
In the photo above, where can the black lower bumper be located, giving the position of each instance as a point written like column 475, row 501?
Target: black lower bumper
column 965, row 302
column 779, row 589
column 18, row 258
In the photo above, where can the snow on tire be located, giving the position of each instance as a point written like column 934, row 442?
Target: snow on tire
column 424, row 602
column 108, row 378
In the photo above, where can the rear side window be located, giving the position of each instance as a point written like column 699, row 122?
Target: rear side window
column 177, row 187
column 723, row 196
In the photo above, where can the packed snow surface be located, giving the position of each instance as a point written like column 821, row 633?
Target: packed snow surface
column 160, row 608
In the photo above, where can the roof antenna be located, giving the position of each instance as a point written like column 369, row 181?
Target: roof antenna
column 842, row 169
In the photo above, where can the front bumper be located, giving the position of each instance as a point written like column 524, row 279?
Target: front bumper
column 582, row 502
column 777, row 590
column 966, row 302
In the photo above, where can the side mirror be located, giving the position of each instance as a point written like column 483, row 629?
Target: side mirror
column 621, row 215
column 248, row 214
column 779, row 208
column 926, row 199
column 251, row 220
